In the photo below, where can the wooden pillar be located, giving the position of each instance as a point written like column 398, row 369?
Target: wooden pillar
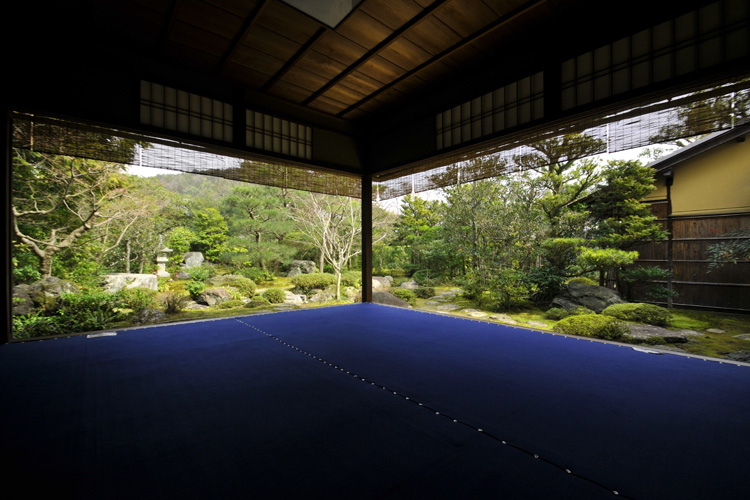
column 5, row 129
column 669, row 178
column 366, row 238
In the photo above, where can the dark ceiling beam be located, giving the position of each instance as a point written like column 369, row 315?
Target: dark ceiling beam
column 294, row 59
column 246, row 27
column 375, row 50
column 169, row 23
column 501, row 21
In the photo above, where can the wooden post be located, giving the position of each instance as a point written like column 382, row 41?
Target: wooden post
column 366, row 238
column 669, row 177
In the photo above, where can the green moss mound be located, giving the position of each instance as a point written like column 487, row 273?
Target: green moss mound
column 592, row 325
column 640, row 313
column 405, row 294
column 258, row 301
column 274, row 296
column 556, row 313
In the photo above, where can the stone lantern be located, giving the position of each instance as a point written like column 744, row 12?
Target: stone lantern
column 162, row 258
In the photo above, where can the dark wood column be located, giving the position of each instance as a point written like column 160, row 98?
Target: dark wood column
column 366, row 238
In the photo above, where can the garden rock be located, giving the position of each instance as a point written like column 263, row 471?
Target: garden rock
column 213, row 296
column 449, row 307
column 645, row 332
column 322, row 297
column 119, row 281
column 742, row 336
column 195, row 305
column 715, row 330
column 298, row 267
column 596, row 298
column 431, row 303
column 29, row 298
column 474, row 313
column 182, row 275
column 537, row 324
column 380, row 282
column 294, row 299
column 147, row 315
column 504, row 318
column 410, row 285
column 388, row 299
column 742, row 356
column 193, row 259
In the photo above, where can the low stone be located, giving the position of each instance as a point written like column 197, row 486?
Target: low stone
column 474, row 313
column 118, row 281
column 294, row 299
column 389, row 278
column 742, row 336
column 389, row 299
column 456, row 290
column 448, row 295
column 449, row 307
column 44, row 291
column 537, row 324
column 322, row 297
column 645, row 332
column 298, row 267
column 182, row 275
column 715, row 330
column 193, row 259
column 410, row 285
column 431, row 303
column 504, row 318
column 213, row 296
column 147, row 315
column 742, row 356
column 195, row 305
column 379, row 282
column 22, row 302
column 596, row 298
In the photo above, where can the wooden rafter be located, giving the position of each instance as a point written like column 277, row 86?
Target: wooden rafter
column 242, row 34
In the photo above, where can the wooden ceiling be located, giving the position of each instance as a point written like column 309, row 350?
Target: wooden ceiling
column 385, row 53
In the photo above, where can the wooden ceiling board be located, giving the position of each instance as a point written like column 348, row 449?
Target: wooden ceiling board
column 339, row 48
column 210, row 18
column 503, row 7
column 241, row 8
column 363, row 30
column 320, row 64
column 405, row 54
column 360, row 81
column 381, row 70
column 432, row 35
column 466, row 18
column 305, row 79
column 199, row 40
column 344, row 94
column 244, row 75
column 288, row 91
column 190, row 55
column 327, row 105
column 392, row 13
column 288, row 21
column 257, row 61
column 270, row 42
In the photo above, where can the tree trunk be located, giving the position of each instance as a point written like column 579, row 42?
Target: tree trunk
column 127, row 256
column 45, row 265
column 322, row 255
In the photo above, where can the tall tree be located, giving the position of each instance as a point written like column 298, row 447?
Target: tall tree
column 58, row 199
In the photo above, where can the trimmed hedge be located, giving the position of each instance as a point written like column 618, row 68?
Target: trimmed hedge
column 258, row 301
column 405, row 294
column 229, row 304
column 592, row 325
column 245, row 286
column 305, row 283
column 274, row 296
column 556, row 313
column 640, row 313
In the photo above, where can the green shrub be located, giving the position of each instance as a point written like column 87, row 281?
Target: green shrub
column 640, row 313
column 256, row 274
column 137, row 298
column 305, row 283
column 582, row 280
column 556, row 313
column 580, row 311
column 195, row 288
column 88, row 311
column 592, row 325
column 245, row 286
column 424, row 292
column 201, row 273
column 229, row 304
column 36, row 325
column 351, row 278
column 405, row 294
column 258, row 301
column 274, row 296
column 174, row 302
